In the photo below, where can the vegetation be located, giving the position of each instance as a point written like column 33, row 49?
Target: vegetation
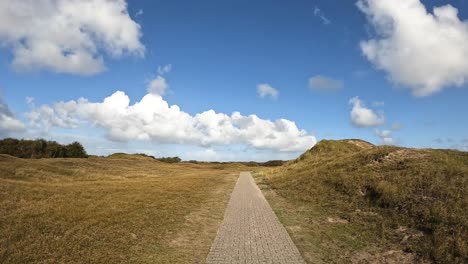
column 40, row 148
column 170, row 159
column 373, row 204
column 119, row 209
column 270, row 163
column 273, row 163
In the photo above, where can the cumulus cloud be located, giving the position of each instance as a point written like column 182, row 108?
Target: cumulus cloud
column 320, row 14
column 385, row 137
column 361, row 116
column 158, row 85
column 422, row 51
column 67, row 36
column 265, row 90
column 8, row 122
column 152, row 118
column 323, row 83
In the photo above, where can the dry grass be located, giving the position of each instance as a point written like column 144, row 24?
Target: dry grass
column 348, row 201
column 123, row 209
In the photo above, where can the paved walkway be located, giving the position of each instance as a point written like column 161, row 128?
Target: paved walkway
column 251, row 232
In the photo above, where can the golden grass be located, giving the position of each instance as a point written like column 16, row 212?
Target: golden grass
column 123, row 209
column 348, row 201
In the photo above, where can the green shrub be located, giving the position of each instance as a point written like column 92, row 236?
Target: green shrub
column 40, row 148
column 170, row 159
column 273, row 163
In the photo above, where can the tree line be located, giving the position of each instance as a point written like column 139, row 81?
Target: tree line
column 40, row 148
column 162, row 159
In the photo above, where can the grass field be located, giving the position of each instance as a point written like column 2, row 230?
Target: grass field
column 342, row 202
column 120, row 209
column 351, row 202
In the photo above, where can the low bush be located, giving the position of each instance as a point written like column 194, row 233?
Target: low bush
column 169, row 159
column 40, row 148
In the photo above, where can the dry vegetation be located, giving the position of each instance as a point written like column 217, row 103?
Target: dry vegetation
column 120, row 209
column 349, row 201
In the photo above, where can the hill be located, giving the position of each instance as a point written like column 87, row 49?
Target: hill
column 373, row 203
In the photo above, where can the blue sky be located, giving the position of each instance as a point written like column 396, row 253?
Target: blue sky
column 409, row 89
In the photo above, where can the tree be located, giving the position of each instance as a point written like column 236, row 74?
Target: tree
column 41, row 148
column 75, row 150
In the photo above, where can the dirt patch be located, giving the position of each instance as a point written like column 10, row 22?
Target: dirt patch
column 359, row 143
column 402, row 154
column 294, row 229
column 398, row 157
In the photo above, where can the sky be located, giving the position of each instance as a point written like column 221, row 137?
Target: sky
column 234, row 80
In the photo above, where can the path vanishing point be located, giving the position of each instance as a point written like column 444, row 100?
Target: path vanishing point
column 251, row 232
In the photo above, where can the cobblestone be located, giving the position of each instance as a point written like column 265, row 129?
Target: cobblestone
column 251, row 232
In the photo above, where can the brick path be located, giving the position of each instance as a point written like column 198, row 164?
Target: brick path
column 251, row 232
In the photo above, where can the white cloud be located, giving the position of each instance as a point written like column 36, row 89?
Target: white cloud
column 164, row 69
column 385, row 137
column 323, row 83
column 67, row 36
column 152, row 118
column 8, row 123
column 361, row 116
column 158, row 86
column 319, row 13
column 29, row 100
column 265, row 90
column 422, row 51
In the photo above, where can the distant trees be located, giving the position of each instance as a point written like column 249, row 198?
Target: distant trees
column 162, row 159
column 40, row 148
column 273, row 163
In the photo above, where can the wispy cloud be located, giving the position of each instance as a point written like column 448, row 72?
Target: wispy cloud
column 378, row 103
column 396, row 126
column 265, row 90
column 320, row 14
column 385, row 136
column 323, row 83
column 165, row 69
column 139, row 13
